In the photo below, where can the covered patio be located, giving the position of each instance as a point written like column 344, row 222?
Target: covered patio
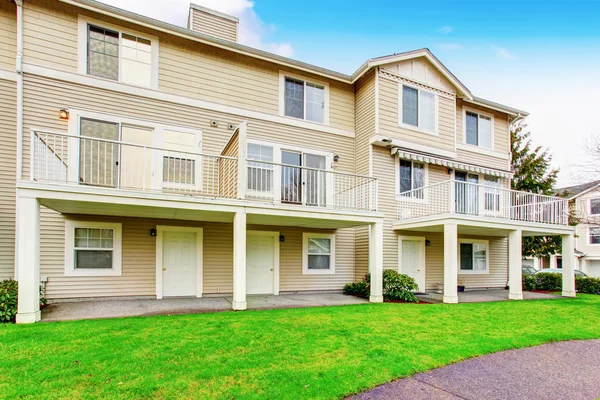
column 123, row 307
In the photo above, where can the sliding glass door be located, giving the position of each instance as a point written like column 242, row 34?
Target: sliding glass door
column 291, row 177
column 467, row 193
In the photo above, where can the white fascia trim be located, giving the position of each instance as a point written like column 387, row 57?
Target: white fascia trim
column 283, row 75
column 8, row 75
column 70, row 269
column 480, row 150
column 490, row 107
column 487, row 257
column 176, row 99
column 305, row 270
column 82, row 24
column 377, row 100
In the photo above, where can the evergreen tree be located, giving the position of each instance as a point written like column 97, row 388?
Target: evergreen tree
column 533, row 173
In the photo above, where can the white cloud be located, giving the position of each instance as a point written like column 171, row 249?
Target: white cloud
column 253, row 31
column 503, row 53
column 451, row 46
column 444, row 30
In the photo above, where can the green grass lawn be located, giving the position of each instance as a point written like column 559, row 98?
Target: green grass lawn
column 316, row 353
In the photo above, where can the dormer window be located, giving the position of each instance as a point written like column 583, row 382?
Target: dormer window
column 418, row 109
column 303, row 99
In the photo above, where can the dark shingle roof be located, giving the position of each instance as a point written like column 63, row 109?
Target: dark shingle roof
column 572, row 191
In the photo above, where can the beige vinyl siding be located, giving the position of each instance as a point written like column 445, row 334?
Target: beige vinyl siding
column 139, row 260
column 501, row 139
column 582, row 210
column 389, row 122
column 214, row 25
column 8, row 35
column 186, row 68
column 365, row 129
column 8, row 152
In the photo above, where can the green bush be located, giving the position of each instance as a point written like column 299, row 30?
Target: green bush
column 529, row 282
column 587, row 285
column 548, row 281
column 8, row 300
column 358, row 289
column 395, row 287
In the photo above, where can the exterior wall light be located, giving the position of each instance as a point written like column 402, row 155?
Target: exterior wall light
column 336, row 158
column 63, row 114
column 153, row 232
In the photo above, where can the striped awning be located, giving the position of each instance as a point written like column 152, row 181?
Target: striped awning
column 407, row 155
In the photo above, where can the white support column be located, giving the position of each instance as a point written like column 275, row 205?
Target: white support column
column 239, row 261
column 515, row 269
column 568, row 265
column 450, row 263
column 376, row 261
column 28, row 260
column 242, row 163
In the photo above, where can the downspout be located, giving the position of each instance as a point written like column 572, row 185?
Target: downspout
column 19, row 70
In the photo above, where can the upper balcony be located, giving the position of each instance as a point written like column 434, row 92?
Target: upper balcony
column 84, row 163
column 477, row 205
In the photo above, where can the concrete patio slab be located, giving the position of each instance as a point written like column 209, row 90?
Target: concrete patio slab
column 566, row 370
column 116, row 308
column 484, row 295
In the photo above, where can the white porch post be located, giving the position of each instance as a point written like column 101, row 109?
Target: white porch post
column 568, row 265
column 376, row 261
column 515, row 271
column 28, row 260
column 239, row 261
column 450, row 263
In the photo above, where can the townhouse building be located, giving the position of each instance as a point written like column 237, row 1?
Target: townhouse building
column 145, row 159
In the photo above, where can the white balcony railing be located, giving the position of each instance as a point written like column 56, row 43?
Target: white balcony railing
column 57, row 157
column 470, row 199
column 291, row 184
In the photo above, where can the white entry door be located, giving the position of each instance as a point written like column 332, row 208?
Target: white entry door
column 260, row 264
column 179, row 263
column 412, row 259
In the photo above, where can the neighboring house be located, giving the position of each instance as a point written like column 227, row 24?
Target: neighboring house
column 146, row 159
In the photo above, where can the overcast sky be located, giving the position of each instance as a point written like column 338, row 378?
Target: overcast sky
column 541, row 56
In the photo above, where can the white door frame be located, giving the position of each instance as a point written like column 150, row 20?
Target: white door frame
column 275, row 236
column 420, row 239
column 160, row 229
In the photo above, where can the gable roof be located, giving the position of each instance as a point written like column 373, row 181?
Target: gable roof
column 176, row 30
column 577, row 190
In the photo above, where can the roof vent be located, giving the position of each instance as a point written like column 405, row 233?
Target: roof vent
column 213, row 23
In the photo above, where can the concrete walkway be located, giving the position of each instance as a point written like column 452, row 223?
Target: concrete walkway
column 115, row 308
column 566, row 370
column 483, row 295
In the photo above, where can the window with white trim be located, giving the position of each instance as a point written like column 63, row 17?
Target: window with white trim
column 594, row 234
column 119, row 56
column 411, row 177
column 418, row 108
column 595, row 206
column 478, row 129
column 93, row 248
column 318, row 251
column 304, row 100
column 473, row 256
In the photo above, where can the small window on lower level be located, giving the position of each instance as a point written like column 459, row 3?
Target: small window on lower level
column 92, row 248
column 595, row 235
column 318, row 250
column 473, row 256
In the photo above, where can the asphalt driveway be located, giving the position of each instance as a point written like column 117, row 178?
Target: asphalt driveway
column 565, row 370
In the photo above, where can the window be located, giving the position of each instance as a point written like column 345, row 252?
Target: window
column 260, row 175
column 109, row 53
column 478, row 129
column 304, row 100
column 492, row 193
column 412, row 176
column 318, row 253
column 594, row 235
column 92, row 248
column 473, row 258
column 418, row 108
column 595, row 206
column 181, row 167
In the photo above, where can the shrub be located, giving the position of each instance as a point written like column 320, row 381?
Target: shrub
column 395, row 287
column 587, row 285
column 358, row 289
column 548, row 281
column 529, row 282
column 8, row 300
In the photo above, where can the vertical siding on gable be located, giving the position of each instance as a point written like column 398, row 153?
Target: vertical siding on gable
column 8, row 155
column 8, row 35
column 214, row 25
column 389, row 123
